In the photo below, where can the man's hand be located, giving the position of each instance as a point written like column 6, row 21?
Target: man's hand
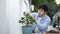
column 25, row 13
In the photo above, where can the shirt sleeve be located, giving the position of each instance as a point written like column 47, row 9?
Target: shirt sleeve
column 33, row 14
column 44, row 25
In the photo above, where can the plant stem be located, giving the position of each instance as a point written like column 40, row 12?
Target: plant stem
column 27, row 24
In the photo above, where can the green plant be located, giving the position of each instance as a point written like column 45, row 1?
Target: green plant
column 27, row 20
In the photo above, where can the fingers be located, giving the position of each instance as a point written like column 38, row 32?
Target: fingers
column 25, row 13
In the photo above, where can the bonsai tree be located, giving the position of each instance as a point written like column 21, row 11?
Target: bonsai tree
column 27, row 20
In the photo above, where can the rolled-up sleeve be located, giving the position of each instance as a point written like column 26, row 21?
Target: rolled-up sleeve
column 44, row 25
column 33, row 14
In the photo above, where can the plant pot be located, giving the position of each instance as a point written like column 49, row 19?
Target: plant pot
column 27, row 29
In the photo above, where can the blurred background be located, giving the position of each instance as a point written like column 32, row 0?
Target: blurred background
column 54, row 6
column 12, row 10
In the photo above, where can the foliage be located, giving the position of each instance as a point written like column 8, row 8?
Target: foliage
column 27, row 19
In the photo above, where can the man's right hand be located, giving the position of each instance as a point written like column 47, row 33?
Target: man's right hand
column 25, row 13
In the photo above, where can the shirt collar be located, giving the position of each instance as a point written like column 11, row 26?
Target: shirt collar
column 43, row 16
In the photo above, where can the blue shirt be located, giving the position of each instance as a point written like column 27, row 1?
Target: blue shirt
column 42, row 25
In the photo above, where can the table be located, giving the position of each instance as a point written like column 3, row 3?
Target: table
column 49, row 33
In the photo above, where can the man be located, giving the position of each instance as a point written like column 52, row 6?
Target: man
column 42, row 20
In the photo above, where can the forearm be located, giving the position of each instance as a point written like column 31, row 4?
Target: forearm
column 44, row 25
column 41, row 26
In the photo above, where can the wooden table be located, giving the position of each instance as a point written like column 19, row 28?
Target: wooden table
column 48, row 33
column 52, row 33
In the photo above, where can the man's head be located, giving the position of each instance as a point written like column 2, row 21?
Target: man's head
column 42, row 9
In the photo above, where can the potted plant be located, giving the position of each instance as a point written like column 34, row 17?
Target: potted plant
column 28, row 20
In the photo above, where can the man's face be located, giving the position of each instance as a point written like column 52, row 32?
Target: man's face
column 41, row 12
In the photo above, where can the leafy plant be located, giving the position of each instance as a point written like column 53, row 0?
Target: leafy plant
column 27, row 20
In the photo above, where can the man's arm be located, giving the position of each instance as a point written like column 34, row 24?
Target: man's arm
column 44, row 25
column 31, row 14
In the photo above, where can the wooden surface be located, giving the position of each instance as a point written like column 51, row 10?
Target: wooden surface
column 48, row 33
column 52, row 33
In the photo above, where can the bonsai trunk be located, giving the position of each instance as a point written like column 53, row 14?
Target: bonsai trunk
column 27, row 24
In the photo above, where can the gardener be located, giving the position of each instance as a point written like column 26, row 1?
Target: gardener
column 42, row 20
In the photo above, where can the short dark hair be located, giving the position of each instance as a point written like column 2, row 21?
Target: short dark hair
column 43, row 6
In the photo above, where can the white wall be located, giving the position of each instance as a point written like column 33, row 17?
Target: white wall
column 10, row 12
column 23, row 7
column 9, row 16
column 3, row 22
